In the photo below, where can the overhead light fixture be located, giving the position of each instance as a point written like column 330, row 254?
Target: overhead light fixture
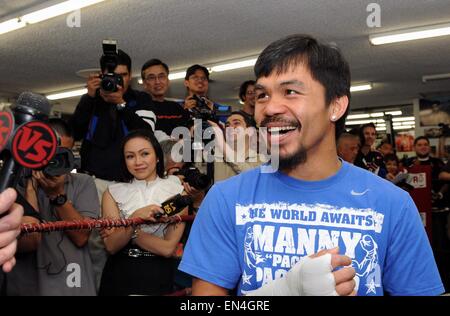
column 234, row 65
column 404, row 127
column 359, row 122
column 361, row 87
column 67, row 94
column 57, row 9
column 405, row 118
column 45, row 14
column 357, row 116
column 177, row 75
column 435, row 77
column 11, row 25
column 393, row 113
column 377, row 114
column 410, row 34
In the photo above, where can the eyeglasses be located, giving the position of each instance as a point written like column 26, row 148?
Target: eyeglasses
column 197, row 78
column 160, row 77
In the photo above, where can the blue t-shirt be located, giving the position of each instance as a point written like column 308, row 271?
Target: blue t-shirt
column 252, row 228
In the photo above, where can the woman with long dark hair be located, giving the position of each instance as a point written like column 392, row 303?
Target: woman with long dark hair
column 141, row 259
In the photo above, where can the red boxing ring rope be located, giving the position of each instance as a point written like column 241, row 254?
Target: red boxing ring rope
column 90, row 224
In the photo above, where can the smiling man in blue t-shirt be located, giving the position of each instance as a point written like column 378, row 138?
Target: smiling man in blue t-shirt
column 254, row 230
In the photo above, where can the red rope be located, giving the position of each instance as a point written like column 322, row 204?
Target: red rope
column 90, row 224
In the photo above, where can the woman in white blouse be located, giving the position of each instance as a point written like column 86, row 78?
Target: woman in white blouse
column 141, row 259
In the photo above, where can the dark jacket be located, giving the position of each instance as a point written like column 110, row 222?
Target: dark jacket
column 102, row 127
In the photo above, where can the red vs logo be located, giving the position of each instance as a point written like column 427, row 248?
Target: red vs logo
column 34, row 145
column 6, row 127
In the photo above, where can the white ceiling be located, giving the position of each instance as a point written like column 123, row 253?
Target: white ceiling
column 45, row 57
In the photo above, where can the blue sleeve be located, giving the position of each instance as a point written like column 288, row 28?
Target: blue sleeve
column 211, row 252
column 410, row 268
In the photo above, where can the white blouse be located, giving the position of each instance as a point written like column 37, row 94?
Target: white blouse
column 139, row 193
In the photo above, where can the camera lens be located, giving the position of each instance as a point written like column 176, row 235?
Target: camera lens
column 109, row 84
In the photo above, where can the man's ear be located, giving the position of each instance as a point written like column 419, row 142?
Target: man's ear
column 338, row 107
column 186, row 83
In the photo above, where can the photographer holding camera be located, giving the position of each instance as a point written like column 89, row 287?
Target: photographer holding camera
column 197, row 102
column 196, row 82
column 104, row 115
column 62, row 265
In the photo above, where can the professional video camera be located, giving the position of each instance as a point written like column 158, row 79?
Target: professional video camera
column 202, row 111
column 194, row 177
column 110, row 80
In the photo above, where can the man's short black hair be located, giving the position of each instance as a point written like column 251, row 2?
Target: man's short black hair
column 243, row 88
column 61, row 127
column 151, row 63
column 249, row 121
column 391, row 157
column 421, row 137
column 191, row 70
column 122, row 59
column 326, row 65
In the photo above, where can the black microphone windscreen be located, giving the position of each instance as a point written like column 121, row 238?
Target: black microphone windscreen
column 35, row 101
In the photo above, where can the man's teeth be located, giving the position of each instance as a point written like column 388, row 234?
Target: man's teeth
column 281, row 129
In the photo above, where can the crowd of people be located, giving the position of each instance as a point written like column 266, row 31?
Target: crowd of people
column 256, row 232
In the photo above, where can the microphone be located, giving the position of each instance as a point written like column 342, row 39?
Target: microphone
column 26, row 140
column 175, row 205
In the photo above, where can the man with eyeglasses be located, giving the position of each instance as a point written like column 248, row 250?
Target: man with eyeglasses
column 169, row 114
column 196, row 82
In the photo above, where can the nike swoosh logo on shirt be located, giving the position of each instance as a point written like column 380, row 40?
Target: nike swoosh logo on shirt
column 359, row 193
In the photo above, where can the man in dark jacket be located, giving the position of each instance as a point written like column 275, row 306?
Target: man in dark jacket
column 102, row 118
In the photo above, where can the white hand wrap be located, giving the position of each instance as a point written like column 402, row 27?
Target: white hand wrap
column 309, row 277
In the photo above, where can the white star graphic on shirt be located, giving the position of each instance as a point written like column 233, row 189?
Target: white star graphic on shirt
column 371, row 287
column 246, row 278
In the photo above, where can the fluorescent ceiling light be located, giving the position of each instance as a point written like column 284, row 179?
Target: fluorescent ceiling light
column 45, row 14
column 403, row 127
column 435, row 77
column 358, row 122
column 67, row 94
column 11, row 25
column 57, row 9
column 177, row 75
column 378, row 114
column 234, row 65
column 357, row 116
column 410, row 34
column 361, row 87
column 394, row 113
column 401, row 119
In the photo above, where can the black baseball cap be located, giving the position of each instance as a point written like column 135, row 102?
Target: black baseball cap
column 191, row 70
